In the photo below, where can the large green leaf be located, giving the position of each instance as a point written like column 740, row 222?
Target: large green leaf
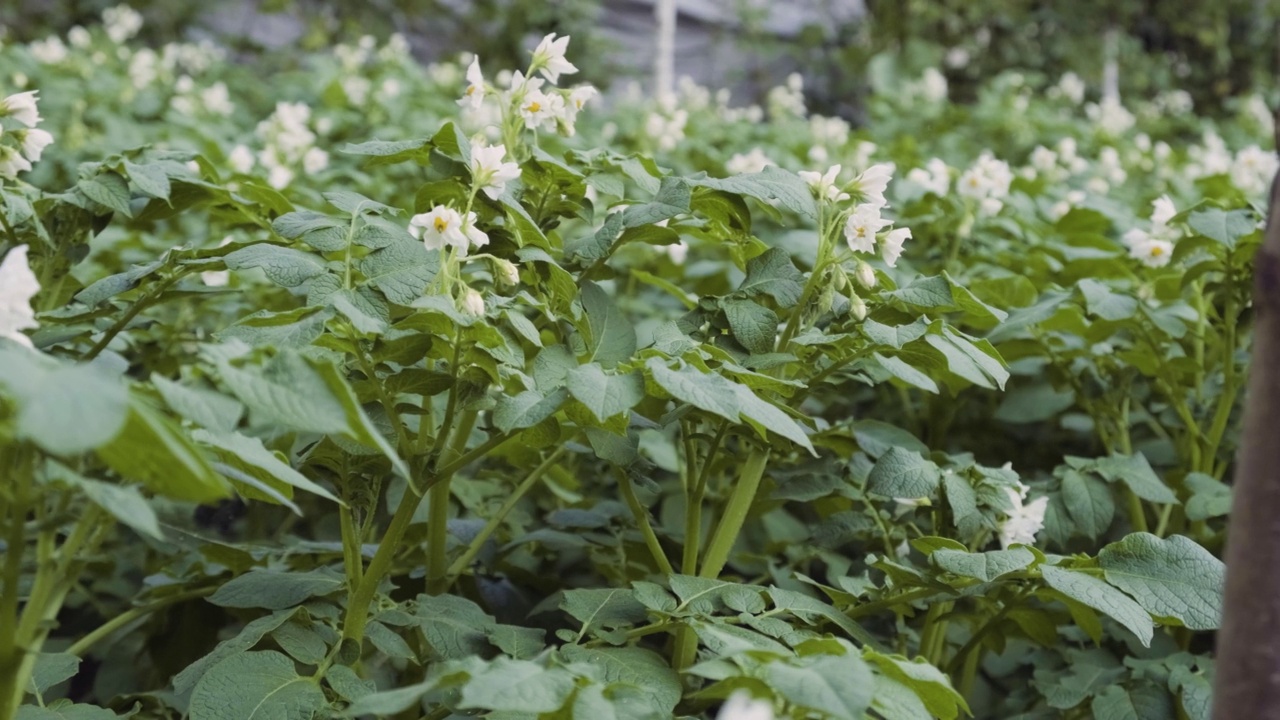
column 1102, row 597
column 256, row 686
column 1171, row 577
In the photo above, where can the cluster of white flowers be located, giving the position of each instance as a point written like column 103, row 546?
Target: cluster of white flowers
column 986, row 181
column 1154, row 248
column 1111, row 117
column 751, row 162
column 787, row 101
column 49, row 51
column 827, row 133
column 121, row 23
column 1024, row 520
column 1069, row 86
column 1253, row 170
column 287, row 142
column 666, row 128
column 1073, row 199
column 28, row 141
column 864, row 223
column 934, row 177
column 192, row 101
column 536, row 100
column 741, row 706
column 1259, row 112
column 931, row 88
column 443, row 227
column 17, row 286
column 1174, row 102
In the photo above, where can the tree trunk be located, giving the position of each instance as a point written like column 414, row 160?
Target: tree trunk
column 1247, row 681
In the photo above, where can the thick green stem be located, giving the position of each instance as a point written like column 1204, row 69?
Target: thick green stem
column 735, row 514
column 362, row 597
column 15, row 545
column 142, row 304
column 438, row 519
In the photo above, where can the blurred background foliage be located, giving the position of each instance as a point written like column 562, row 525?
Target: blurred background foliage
column 1213, row 50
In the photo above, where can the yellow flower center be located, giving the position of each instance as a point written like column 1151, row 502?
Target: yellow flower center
column 471, row 90
column 441, row 224
column 862, row 232
column 1156, row 251
column 534, row 107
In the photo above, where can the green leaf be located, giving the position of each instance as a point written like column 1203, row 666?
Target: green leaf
column 150, row 179
column 902, row 473
column 250, row 454
column 808, row 608
column 154, row 452
column 929, row 683
column 907, row 373
column 613, row 338
column 109, row 189
column 275, row 590
column 123, row 502
column 876, row 437
column 839, row 686
column 451, row 141
column 112, row 285
column 1136, row 472
column 452, row 626
column 602, row 608
column 1210, row 498
column 64, row 409
column 721, row 396
column 252, row 633
column 1141, row 703
column 926, row 293
column 984, row 566
column 365, row 316
column 284, row 266
column 1100, row 301
column 1100, row 596
column 633, row 666
column 754, row 327
column 894, row 336
column 386, row 152
column 289, row 329
column 401, row 270
column 390, row 702
column 64, row 710
column 1172, row 577
column 772, row 183
column 1226, row 227
column 515, row 412
column 1088, row 502
column 517, row 685
column 256, row 686
column 205, row 408
column 603, row 394
column 320, row 231
column 51, row 669
column 772, row 273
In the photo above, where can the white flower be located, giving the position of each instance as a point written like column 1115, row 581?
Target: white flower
column 988, row 207
column 489, row 172
column 1023, row 521
column 121, row 22
column 217, row 100
column 933, row 85
column 475, row 238
column 1253, row 169
column 1153, row 252
column 1111, row 117
column 1072, row 87
column 824, row 184
column 17, row 286
column 315, row 160
column 473, row 96
column 741, row 706
column 861, row 227
column 79, row 37
column 1162, row 211
column 1043, row 159
column 34, row 141
column 934, row 177
column 873, row 181
column 579, row 96
column 472, row 303
column 539, row 107
column 548, row 58
column 891, row 245
column 356, row 88
column 12, row 163
column 752, row 162
column 440, row 227
column 22, row 107
column 666, row 131
column 49, row 51
column 240, row 159
column 279, row 177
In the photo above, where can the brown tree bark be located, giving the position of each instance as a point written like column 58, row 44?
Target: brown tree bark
column 1247, row 680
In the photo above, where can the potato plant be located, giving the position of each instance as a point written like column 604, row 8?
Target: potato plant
column 464, row 394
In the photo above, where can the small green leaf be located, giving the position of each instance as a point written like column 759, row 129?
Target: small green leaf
column 754, row 327
column 902, row 473
column 275, row 590
column 605, row 395
column 984, row 566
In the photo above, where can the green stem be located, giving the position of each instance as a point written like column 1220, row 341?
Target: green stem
column 357, row 616
column 438, row 518
column 11, row 654
column 460, row 565
column 143, row 303
column 735, row 514
column 889, row 602
column 131, row 615
column 351, row 547
column 641, row 514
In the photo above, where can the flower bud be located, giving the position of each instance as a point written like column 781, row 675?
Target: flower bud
column 506, row 272
column 473, row 303
column 865, row 275
column 858, row 308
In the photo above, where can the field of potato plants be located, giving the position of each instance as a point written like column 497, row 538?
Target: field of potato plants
column 381, row 390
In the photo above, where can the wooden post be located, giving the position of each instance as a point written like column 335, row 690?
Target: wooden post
column 1247, row 679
